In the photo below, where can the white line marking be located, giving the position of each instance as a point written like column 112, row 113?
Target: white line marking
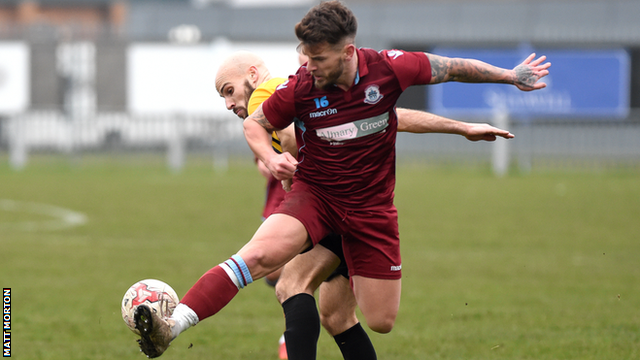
column 62, row 218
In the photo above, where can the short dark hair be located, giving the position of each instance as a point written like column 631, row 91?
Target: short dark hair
column 329, row 22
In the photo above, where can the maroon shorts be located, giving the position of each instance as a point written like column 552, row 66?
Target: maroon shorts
column 371, row 241
column 274, row 196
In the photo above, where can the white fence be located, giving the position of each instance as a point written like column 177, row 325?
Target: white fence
column 52, row 132
column 567, row 144
column 559, row 144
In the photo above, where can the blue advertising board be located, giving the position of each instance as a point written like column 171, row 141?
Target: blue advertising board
column 581, row 83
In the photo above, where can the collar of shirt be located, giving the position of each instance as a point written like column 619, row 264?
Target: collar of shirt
column 363, row 69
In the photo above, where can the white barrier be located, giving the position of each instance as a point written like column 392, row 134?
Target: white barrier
column 500, row 154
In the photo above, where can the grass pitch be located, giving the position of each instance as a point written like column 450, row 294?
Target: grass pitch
column 543, row 266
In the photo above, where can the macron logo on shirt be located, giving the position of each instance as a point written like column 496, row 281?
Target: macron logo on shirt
column 283, row 85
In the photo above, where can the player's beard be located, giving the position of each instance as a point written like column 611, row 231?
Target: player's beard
column 331, row 78
column 248, row 90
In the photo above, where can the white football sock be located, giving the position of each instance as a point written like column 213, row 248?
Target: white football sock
column 231, row 275
column 184, row 318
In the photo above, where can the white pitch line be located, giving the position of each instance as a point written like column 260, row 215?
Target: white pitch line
column 62, row 218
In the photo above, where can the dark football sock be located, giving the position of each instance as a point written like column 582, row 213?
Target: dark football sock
column 355, row 344
column 303, row 327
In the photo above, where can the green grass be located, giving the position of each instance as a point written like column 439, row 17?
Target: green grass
column 543, row 266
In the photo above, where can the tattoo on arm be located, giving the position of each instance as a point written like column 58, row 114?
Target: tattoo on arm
column 262, row 120
column 439, row 68
column 465, row 70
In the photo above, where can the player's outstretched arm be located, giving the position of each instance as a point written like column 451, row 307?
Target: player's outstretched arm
column 257, row 132
column 486, row 132
column 421, row 122
column 525, row 76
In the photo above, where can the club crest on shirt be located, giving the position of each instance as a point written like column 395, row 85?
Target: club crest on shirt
column 372, row 94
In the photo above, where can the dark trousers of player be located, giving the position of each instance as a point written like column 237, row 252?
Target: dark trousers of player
column 303, row 330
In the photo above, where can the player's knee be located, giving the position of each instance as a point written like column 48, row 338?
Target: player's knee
column 338, row 318
column 337, row 323
column 281, row 290
column 286, row 288
column 329, row 322
column 382, row 325
column 292, row 283
column 380, row 318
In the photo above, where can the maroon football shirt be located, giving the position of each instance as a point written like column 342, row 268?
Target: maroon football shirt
column 346, row 139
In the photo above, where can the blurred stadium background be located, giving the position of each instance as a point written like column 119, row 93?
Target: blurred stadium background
column 100, row 98
column 122, row 77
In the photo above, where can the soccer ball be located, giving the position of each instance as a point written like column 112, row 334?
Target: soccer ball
column 156, row 294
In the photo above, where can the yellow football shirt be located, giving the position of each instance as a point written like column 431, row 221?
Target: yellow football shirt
column 260, row 94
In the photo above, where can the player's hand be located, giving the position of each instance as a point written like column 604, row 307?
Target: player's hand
column 486, row 132
column 527, row 74
column 282, row 166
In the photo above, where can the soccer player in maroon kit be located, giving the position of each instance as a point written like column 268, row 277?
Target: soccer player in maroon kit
column 344, row 176
column 244, row 82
